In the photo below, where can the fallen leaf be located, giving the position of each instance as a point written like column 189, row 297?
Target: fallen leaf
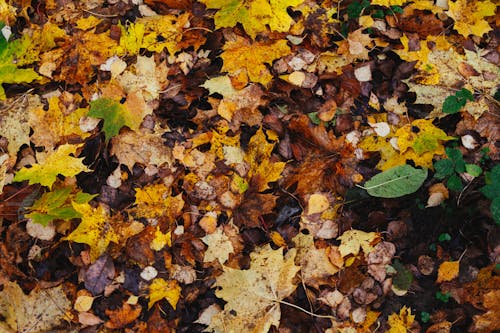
column 94, row 230
column 396, row 182
column 241, row 55
column 447, row 271
column 40, row 311
column 123, row 316
column 99, row 275
column 352, row 241
column 254, row 15
column 164, row 289
column 51, row 164
column 402, row 322
column 219, row 246
column 469, row 16
column 253, row 295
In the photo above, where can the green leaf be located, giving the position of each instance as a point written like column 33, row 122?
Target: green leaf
column 403, row 278
column 396, row 182
column 495, row 210
column 313, row 116
column 57, row 205
column 454, row 183
column 456, row 156
column 444, row 237
column 425, row 316
column 114, row 114
column 473, row 170
column 444, row 168
column 443, row 297
column 453, row 104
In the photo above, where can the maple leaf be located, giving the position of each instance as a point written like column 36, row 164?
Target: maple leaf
column 352, row 241
column 419, row 141
column 155, row 200
column 253, row 295
column 241, row 55
column 14, row 124
column 40, row 311
column 262, row 170
column 140, row 147
column 153, row 33
column 94, row 229
column 401, row 323
column 219, row 246
column 164, row 289
column 245, row 100
column 115, row 116
column 61, row 125
column 57, row 205
column 469, row 16
column 51, row 164
column 9, row 52
column 254, row 15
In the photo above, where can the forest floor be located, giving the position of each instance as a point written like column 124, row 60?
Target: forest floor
column 249, row 166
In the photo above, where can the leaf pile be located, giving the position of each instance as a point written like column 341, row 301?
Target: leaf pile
column 249, row 165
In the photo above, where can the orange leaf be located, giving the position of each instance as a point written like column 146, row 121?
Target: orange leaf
column 448, row 270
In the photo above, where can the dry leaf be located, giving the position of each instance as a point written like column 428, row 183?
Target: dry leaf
column 447, row 271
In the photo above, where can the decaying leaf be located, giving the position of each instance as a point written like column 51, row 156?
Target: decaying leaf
column 219, row 246
column 40, row 311
column 253, row 295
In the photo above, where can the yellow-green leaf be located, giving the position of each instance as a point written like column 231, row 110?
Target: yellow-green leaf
column 58, row 162
column 94, row 229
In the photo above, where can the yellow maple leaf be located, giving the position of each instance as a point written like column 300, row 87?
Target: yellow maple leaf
column 164, row 289
column 254, row 15
column 241, row 55
column 262, row 170
column 61, row 125
column 147, row 32
column 401, row 323
column 160, row 240
column 94, row 229
column 419, row 141
column 219, row 246
column 155, row 200
column 388, row 3
column 447, row 271
column 51, row 164
column 352, row 241
column 421, row 136
column 469, row 16
column 253, row 295
column 428, row 72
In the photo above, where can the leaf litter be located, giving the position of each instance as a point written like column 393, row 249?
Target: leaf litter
column 249, row 166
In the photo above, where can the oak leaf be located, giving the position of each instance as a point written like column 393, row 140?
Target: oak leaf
column 51, row 164
column 164, row 289
column 241, row 55
column 253, row 295
column 254, row 15
column 94, row 229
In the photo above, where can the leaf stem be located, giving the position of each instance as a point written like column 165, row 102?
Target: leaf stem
column 305, row 311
